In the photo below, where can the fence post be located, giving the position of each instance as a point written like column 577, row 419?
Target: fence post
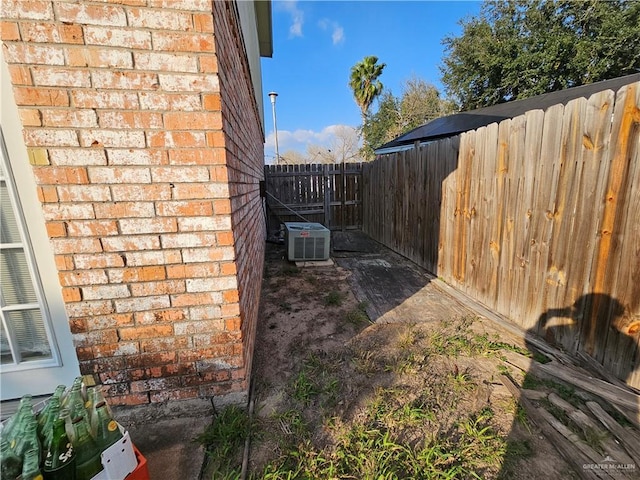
column 343, row 192
column 327, row 196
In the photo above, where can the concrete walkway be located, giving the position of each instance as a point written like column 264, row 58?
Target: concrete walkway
column 164, row 434
column 393, row 288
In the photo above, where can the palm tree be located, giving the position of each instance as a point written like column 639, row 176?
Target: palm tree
column 365, row 84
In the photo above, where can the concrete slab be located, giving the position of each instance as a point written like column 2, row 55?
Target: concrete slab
column 354, row 241
column 165, row 433
column 315, row 263
column 392, row 288
column 169, row 447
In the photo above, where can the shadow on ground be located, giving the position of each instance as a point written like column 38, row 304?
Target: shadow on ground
column 324, row 371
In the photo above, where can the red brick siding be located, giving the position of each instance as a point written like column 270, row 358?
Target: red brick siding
column 147, row 170
column 245, row 160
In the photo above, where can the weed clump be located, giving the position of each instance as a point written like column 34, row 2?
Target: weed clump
column 224, row 439
column 333, row 299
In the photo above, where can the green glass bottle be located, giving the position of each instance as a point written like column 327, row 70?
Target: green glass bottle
column 65, row 414
column 42, row 415
column 31, row 465
column 46, row 432
column 10, row 463
column 95, row 397
column 14, row 427
column 60, row 459
column 106, row 431
column 88, row 404
column 75, row 403
column 28, row 440
column 88, row 461
column 76, row 387
column 98, row 396
column 25, row 435
column 59, row 392
column 53, row 411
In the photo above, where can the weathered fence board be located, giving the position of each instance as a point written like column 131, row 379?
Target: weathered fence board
column 537, row 217
column 322, row 193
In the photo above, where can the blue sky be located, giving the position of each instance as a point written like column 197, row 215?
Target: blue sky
column 317, row 42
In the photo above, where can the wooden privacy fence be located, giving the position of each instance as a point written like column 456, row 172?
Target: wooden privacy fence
column 537, row 217
column 329, row 194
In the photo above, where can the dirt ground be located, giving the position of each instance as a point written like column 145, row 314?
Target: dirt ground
column 322, row 366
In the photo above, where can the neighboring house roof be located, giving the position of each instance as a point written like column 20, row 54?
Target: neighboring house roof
column 464, row 121
column 265, row 35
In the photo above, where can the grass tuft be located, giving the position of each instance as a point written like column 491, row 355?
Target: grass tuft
column 224, row 439
column 333, row 299
column 417, row 418
column 357, row 317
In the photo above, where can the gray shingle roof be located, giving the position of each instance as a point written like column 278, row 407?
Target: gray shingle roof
column 464, row 121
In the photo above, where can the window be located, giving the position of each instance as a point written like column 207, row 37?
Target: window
column 26, row 335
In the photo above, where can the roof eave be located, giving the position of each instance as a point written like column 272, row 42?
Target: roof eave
column 265, row 27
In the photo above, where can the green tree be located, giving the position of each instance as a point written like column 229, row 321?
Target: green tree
column 520, row 48
column 420, row 103
column 365, row 84
column 380, row 127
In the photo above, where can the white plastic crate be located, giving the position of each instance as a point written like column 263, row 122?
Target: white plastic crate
column 119, row 460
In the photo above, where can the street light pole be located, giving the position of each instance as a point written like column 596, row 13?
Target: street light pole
column 272, row 96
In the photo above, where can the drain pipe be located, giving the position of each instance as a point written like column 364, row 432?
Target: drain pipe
column 247, row 442
column 205, row 460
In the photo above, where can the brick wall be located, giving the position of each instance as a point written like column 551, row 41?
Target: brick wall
column 147, row 154
column 245, row 168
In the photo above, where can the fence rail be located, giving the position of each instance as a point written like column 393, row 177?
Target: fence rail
column 324, row 193
column 537, row 217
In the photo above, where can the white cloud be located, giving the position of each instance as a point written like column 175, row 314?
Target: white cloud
column 299, row 140
column 337, row 32
column 297, row 17
column 338, row 35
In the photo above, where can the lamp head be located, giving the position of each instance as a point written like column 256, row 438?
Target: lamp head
column 272, row 96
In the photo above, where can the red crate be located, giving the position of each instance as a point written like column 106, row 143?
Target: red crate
column 142, row 471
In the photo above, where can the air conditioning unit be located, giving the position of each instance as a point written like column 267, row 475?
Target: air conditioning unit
column 306, row 241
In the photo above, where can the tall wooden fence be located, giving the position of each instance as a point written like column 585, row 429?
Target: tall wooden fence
column 330, row 194
column 537, row 217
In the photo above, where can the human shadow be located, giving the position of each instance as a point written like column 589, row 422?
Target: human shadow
column 587, row 328
column 597, row 333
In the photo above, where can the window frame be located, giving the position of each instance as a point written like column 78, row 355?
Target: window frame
column 31, row 378
column 19, row 213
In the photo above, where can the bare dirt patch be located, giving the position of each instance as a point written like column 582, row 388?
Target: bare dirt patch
column 427, row 391
column 332, row 389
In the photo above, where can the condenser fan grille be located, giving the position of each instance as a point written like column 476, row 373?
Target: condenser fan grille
column 308, row 248
column 307, row 241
